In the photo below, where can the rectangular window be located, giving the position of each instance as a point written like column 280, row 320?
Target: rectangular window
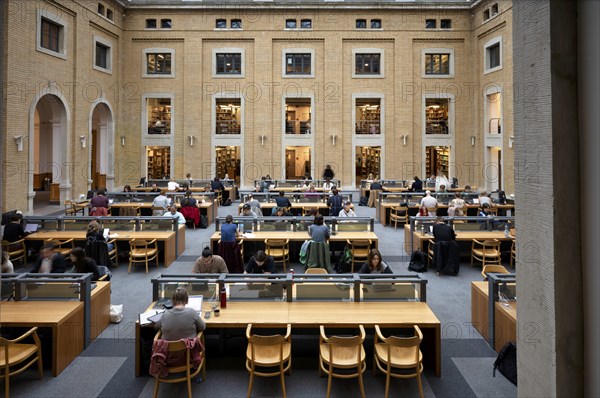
column 297, row 116
column 158, row 63
column 150, row 23
column 229, row 64
column 376, row 24
column 430, row 24
column 165, row 24
column 493, row 56
column 361, row 24
column 51, row 35
column 437, row 64
column 446, row 24
column 110, row 14
column 297, row 64
column 159, row 115
column 102, row 56
column 221, row 24
column 436, row 116
column 486, row 15
column 228, row 115
column 494, row 9
column 236, row 24
column 101, row 9
column 290, row 24
column 368, row 116
column 306, row 23
column 367, row 64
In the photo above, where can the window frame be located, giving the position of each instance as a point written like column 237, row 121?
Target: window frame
column 428, row 20
column 309, row 20
column 220, row 20
column 222, row 96
column 448, row 21
column 367, row 136
column 62, row 33
column 229, row 50
column 236, row 21
column 360, row 20
column 97, row 40
column 435, row 51
column 156, row 50
column 289, row 21
column 370, row 51
column 148, row 20
column 163, row 20
column 376, row 20
column 308, row 135
column 486, row 47
column 290, row 51
column 144, row 117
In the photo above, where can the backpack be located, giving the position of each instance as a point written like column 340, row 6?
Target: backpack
column 417, row 262
column 203, row 222
column 506, row 362
column 227, row 202
column 344, row 264
column 363, row 201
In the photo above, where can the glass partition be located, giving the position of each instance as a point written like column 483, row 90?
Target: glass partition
column 205, row 285
column 285, row 224
column 43, row 223
column 262, row 197
column 394, row 183
column 164, row 223
column 386, row 287
column 291, row 224
column 502, row 289
column 274, row 184
column 316, row 287
column 126, row 197
column 354, row 224
column 256, row 287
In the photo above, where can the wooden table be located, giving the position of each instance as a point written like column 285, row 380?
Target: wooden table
column 382, row 210
column 505, row 326
column 64, row 318
column 419, row 239
column 167, row 238
column 294, row 189
column 267, row 207
column 207, row 209
column 304, row 315
column 99, row 309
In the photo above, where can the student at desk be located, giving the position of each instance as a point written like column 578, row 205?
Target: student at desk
column 50, row 262
column 260, row 263
column 161, row 201
column 174, row 213
column 282, row 201
column 318, row 231
column 179, row 322
column 95, row 233
column 209, row 263
column 229, row 230
column 374, row 264
column 13, row 231
column 83, row 264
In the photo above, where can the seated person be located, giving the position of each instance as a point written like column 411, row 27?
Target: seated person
column 254, row 205
column 484, row 198
column 172, row 185
column 429, row 202
column 216, row 185
column 99, row 204
column 374, row 264
column 209, row 263
column 327, row 185
column 347, row 210
column 188, row 201
column 127, row 188
column 456, row 205
column 13, row 231
column 50, row 261
column 229, row 231
column 161, row 201
column 442, row 232
column 282, row 212
column 468, row 188
column 442, row 188
column 95, row 232
column 417, row 185
column 179, row 322
column 154, row 188
column 174, row 213
column 484, row 210
column 83, row 264
column 6, row 266
column 319, row 232
column 247, row 211
column 260, row 263
column 282, row 201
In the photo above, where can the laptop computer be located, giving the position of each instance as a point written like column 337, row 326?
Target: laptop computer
column 31, row 228
column 105, row 233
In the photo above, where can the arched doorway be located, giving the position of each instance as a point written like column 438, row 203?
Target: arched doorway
column 49, row 182
column 100, row 147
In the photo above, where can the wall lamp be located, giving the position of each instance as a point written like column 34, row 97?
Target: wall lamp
column 122, row 140
column 19, row 141
column 511, row 141
column 82, row 140
column 262, row 137
column 404, row 139
column 192, row 138
column 472, row 140
column 333, row 137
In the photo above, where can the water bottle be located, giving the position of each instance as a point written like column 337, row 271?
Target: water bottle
column 223, row 297
column 506, row 231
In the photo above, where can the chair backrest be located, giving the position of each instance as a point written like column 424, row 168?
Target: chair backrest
column 491, row 243
column 358, row 243
column 276, row 340
column 345, row 341
column 402, row 342
column 493, row 268
column 316, row 271
column 273, row 243
column 139, row 243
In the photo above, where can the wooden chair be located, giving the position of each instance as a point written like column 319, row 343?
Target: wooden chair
column 486, row 252
column 432, row 211
column 279, row 249
column 320, row 271
column 430, row 244
column 113, row 254
column 398, row 214
column 186, row 369
column 395, row 353
column 306, row 211
column 142, row 251
column 493, row 269
column 62, row 246
column 219, row 197
column 130, row 211
column 12, row 353
column 271, row 354
column 71, row 209
column 16, row 250
column 513, row 254
column 360, row 249
column 338, row 354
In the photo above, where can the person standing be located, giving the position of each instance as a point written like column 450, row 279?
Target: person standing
column 328, row 173
column 334, row 203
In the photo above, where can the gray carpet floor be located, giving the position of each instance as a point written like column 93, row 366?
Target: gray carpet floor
column 106, row 368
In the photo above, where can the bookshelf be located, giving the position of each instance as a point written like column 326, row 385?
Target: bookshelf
column 227, row 122
column 228, row 162
column 367, row 162
column 436, row 120
column 159, row 162
column 368, row 120
column 437, row 160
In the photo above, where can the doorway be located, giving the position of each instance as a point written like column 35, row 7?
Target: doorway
column 101, row 125
column 437, row 161
column 227, row 161
column 158, row 160
column 368, row 163
column 493, row 171
column 297, row 162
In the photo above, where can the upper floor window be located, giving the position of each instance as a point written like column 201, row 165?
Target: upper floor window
column 306, row 23
column 367, row 115
column 437, row 64
column 298, row 64
column 221, row 24
column 494, row 9
column 101, row 9
column 165, row 24
column 158, row 63
column 290, row 24
column 150, row 23
column 446, row 24
column 367, row 64
column 110, row 14
column 430, row 24
column 376, row 24
column 102, row 55
column 51, row 34
column 361, row 24
column 493, row 55
column 486, row 15
column 159, row 115
column 236, row 24
column 229, row 63
column 436, row 116
column 228, row 117
column 297, row 115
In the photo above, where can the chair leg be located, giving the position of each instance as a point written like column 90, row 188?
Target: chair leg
column 282, row 382
column 360, row 381
column 250, row 383
column 129, row 268
column 419, row 371
column 387, row 383
column 40, row 365
column 6, row 381
column 329, row 383
column 189, row 384
column 156, row 387
column 146, row 264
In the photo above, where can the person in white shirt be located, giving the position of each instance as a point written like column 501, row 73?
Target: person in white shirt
column 327, row 185
column 161, row 201
column 174, row 213
column 483, row 198
column 456, row 205
column 429, row 202
column 347, row 210
column 173, row 186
